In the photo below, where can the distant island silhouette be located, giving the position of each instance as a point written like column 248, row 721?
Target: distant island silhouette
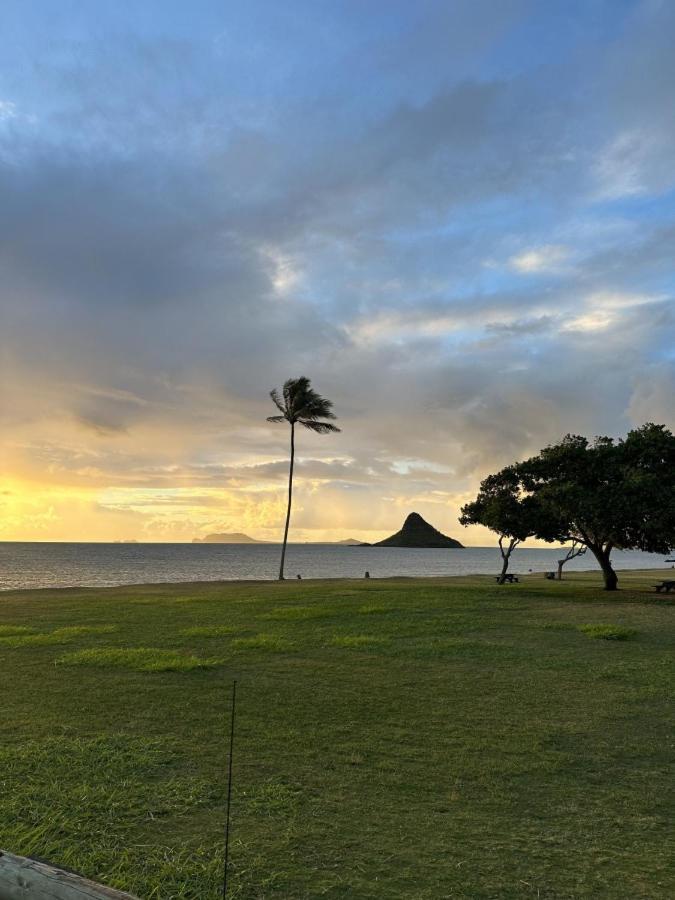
column 416, row 532
column 237, row 537
column 227, row 537
column 347, row 542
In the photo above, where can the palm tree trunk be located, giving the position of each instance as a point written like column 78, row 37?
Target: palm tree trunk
column 290, row 498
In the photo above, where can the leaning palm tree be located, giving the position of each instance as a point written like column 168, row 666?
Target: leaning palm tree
column 299, row 404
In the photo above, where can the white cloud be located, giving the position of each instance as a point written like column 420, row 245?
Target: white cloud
column 607, row 308
column 285, row 272
column 592, row 321
column 635, row 163
column 401, row 326
column 619, row 168
column 7, row 110
column 547, row 258
column 614, row 300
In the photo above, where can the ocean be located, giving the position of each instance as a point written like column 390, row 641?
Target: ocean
column 52, row 565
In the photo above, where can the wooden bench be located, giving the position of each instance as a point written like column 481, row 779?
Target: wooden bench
column 508, row 577
column 666, row 586
column 21, row 878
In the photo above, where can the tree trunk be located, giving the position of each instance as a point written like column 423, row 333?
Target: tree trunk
column 610, row 576
column 608, row 573
column 505, row 563
column 561, row 563
column 290, row 498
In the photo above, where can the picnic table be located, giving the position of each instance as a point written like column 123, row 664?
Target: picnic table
column 508, row 577
column 666, row 586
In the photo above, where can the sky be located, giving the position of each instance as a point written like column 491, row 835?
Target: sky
column 456, row 218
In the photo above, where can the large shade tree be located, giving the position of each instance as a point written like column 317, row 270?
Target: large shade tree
column 606, row 494
column 300, row 405
column 502, row 507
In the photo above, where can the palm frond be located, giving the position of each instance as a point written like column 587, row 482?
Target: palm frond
column 299, row 402
column 316, row 407
column 318, row 427
column 293, row 390
column 310, row 413
column 276, row 399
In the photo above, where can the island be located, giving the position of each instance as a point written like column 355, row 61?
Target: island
column 227, row 537
column 348, row 542
column 416, row 532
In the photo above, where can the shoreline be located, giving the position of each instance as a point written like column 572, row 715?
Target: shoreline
column 294, row 581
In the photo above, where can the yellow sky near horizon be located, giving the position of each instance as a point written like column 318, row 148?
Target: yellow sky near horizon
column 56, row 513
column 162, row 479
column 185, row 471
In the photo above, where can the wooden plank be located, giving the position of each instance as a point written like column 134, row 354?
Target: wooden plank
column 28, row 879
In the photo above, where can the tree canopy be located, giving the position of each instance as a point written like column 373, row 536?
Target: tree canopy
column 603, row 494
column 502, row 507
column 607, row 493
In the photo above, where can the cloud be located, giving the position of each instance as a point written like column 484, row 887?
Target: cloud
column 606, row 309
column 652, row 396
column 183, row 228
column 7, row 110
column 622, row 166
column 519, row 327
column 549, row 258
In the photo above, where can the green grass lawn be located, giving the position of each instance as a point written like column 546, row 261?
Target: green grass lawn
column 395, row 739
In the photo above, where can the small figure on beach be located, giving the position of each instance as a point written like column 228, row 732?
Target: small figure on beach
column 299, row 577
column 367, row 575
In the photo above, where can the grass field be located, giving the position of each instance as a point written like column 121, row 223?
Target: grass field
column 395, row 739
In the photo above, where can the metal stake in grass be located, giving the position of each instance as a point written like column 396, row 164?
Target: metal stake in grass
column 229, row 789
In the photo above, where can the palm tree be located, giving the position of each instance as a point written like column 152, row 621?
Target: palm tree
column 299, row 404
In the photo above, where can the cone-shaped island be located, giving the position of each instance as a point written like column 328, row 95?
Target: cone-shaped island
column 418, row 533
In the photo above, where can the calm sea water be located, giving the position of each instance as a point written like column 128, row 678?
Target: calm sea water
column 41, row 565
